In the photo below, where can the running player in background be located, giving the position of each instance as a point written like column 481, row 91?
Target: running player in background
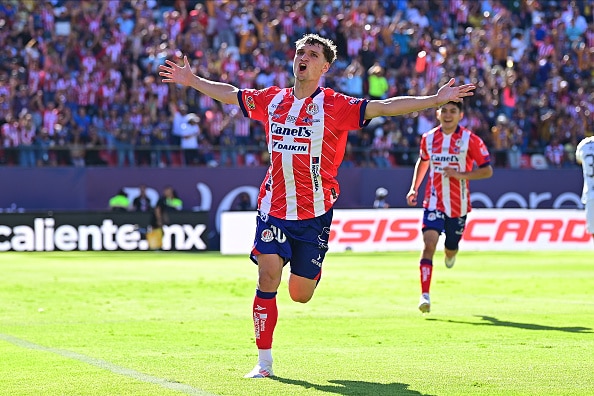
column 448, row 153
column 584, row 155
column 306, row 132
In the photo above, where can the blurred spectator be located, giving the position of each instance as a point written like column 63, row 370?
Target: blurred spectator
column 168, row 202
column 555, row 153
column 125, row 136
column 142, row 202
column 119, row 202
column 69, row 63
column 161, row 141
column 243, row 202
column 380, row 198
column 189, row 134
column 94, row 147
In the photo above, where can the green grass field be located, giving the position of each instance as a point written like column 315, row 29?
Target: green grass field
column 154, row 323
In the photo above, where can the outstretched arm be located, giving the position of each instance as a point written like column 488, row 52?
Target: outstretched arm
column 173, row 73
column 399, row 105
column 420, row 171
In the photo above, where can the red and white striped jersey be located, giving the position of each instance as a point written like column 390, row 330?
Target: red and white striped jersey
column 306, row 140
column 459, row 150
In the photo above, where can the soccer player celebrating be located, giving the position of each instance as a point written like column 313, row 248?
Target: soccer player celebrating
column 448, row 152
column 306, row 132
column 584, row 155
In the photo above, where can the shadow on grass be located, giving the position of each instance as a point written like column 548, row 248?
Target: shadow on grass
column 491, row 321
column 355, row 388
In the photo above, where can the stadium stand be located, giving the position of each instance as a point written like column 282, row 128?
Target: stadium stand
column 79, row 83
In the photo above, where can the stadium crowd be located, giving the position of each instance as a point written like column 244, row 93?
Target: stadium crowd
column 79, row 83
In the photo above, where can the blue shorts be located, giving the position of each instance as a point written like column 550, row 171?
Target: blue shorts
column 452, row 227
column 304, row 243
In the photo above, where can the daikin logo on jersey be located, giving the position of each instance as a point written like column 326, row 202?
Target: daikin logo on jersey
column 290, row 147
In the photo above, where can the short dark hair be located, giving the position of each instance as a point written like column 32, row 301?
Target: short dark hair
column 328, row 46
column 459, row 105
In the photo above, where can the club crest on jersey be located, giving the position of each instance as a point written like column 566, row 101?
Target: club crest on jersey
column 249, row 101
column 312, row 109
column 267, row 235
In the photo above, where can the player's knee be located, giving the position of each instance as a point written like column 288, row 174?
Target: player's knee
column 268, row 280
column 451, row 244
column 301, row 291
column 300, row 296
column 429, row 250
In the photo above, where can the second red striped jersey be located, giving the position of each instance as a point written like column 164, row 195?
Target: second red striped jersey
column 459, row 150
column 306, row 140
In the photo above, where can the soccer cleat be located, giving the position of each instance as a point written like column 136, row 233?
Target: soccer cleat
column 260, row 372
column 449, row 262
column 425, row 303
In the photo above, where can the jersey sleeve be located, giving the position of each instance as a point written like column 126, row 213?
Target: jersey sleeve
column 478, row 151
column 254, row 103
column 350, row 111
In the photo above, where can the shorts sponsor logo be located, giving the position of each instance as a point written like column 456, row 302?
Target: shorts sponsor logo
column 317, row 261
column 323, row 238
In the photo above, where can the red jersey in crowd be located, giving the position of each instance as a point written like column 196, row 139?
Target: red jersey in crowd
column 459, row 150
column 306, row 140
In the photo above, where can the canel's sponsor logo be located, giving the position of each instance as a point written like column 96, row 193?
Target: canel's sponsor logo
column 45, row 236
column 444, row 158
column 278, row 129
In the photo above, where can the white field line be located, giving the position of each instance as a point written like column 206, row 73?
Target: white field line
column 104, row 365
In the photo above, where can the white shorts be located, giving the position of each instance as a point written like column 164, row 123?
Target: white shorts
column 590, row 216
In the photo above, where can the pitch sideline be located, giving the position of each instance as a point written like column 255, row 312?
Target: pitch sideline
column 102, row 364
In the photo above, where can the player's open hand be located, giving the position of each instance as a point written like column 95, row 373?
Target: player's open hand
column 449, row 93
column 173, row 73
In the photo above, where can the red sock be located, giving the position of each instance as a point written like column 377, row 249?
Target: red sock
column 426, row 271
column 265, row 316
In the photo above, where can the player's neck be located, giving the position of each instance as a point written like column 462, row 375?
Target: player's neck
column 304, row 89
column 448, row 131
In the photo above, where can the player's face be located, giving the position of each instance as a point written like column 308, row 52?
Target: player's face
column 309, row 62
column 449, row 116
